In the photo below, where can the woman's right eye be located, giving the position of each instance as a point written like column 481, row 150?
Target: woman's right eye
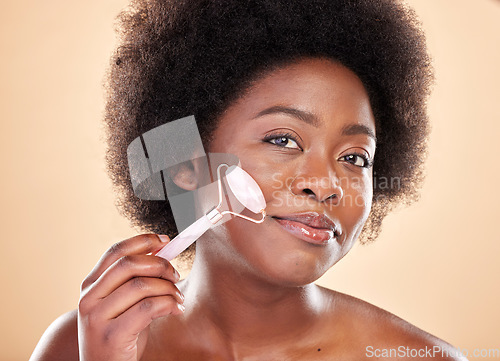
column 283, row 141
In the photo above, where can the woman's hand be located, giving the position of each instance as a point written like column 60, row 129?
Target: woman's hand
column 123, row 294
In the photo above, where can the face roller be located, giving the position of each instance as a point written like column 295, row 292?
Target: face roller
column 246, row 191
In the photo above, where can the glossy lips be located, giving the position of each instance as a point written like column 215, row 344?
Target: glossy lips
column 310, row 227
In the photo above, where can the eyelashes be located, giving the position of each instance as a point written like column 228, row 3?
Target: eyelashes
column 283, row 140
column 289, row 141
column 357, row 159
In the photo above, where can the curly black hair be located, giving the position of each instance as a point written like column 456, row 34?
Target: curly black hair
column 183, row 57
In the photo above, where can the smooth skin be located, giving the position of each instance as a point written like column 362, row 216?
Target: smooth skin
column 306, row 133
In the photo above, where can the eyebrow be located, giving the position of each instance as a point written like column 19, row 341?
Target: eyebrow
column 310, row 118
column 355, row 129
column 306, row 117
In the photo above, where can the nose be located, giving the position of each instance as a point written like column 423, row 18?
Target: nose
column 322, row 185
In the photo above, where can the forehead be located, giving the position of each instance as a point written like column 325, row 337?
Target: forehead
column 326, row 90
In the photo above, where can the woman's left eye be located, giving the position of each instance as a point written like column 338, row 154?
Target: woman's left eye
column 357, row 160
column 284, row 142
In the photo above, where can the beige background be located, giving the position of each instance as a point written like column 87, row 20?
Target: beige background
column 436, row 263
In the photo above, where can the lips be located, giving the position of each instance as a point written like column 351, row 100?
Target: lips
column 311, row 227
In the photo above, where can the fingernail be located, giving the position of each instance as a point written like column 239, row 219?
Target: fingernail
column 181, row 296
column 177, row 276
column 163, row 238
column 181, row 307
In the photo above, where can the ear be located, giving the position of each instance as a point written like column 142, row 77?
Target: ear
column 185, row 175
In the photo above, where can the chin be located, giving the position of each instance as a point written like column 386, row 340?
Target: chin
column 278, row 257
column 266, row 253
column 298, row 275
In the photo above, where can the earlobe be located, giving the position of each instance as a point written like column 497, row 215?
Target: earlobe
column 184, row 175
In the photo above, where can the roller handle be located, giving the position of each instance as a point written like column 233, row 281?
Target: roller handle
column 185, row 239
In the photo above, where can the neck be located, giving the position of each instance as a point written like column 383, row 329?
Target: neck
column 247, row 309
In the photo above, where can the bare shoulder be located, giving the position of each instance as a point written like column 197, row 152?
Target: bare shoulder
column 379, row 334
column 59, row 341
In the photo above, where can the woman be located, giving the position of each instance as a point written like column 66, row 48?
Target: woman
column 304, row 93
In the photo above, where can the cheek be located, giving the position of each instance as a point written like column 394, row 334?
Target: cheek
column 358, row 192
column 356, row 204
column 272, row 179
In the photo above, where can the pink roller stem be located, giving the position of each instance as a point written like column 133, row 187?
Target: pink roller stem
column 185, row 239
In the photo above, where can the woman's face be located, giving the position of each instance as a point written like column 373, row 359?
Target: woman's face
column 306, row 134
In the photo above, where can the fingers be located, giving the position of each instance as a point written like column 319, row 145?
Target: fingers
column 129, row 267
column 134, row 291
column 126, row 276
column 118, row 338
column 126, row 290
column 141, row 244
column 139, row 316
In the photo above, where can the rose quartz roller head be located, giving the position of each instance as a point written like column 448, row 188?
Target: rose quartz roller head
column 247, row 192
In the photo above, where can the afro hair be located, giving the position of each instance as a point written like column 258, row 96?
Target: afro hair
column 181, row 57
